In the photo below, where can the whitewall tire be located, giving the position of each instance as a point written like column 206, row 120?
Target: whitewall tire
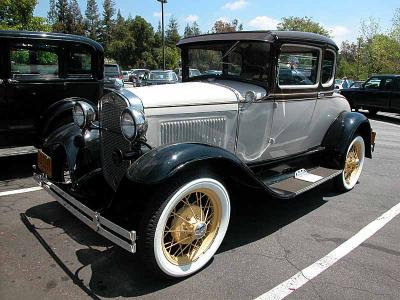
column 353, row 165
column 186, row 231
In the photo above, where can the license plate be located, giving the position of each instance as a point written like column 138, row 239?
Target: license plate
column 44, row 163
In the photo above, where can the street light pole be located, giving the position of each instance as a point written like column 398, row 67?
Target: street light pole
column 162, row 28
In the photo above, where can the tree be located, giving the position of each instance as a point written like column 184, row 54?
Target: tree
column 396, row 25
column 192, row 29
column 92, row 21
column 107, row 23
column 222, row 26
column 302, row 24
column 16, row 14
column 172, row 36
column 52, row 13
column 75, row 19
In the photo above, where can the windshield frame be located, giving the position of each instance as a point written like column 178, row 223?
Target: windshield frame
column 230, row 44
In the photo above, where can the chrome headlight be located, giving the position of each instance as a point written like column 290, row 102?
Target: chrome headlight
column 83, row 114
column 133, row 124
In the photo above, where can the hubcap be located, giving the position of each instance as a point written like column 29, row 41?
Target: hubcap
column 191, row 227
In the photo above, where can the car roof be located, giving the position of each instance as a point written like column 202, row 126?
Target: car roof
column 385, row 75
column 260, row 35
column 62, row 37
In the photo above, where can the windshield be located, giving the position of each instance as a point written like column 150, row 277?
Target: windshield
column 162, row 76
column 246, row 60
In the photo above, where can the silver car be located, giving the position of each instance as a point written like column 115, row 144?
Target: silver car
column 153, row 167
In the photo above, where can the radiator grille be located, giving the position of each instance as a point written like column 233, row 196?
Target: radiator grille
column 111, row 107
column 207, row 131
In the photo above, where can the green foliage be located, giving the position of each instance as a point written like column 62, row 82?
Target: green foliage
column 221, row 26
column 92, row 20
column 192, row 29
column 302, row 24
column 172, row 57
column 172, row 36
column 107, row 23
column 18, row 15
column 374, row 53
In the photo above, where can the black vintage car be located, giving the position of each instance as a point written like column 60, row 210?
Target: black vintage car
column 38, row 72
column 378, row 93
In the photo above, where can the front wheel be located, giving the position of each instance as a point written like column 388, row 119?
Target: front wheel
column 183, row 232
column 353, row 165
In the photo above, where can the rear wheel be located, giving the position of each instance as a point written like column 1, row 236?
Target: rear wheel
column 353, row 165
column 182, row 232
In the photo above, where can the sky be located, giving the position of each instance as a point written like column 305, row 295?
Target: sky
column 341, row 18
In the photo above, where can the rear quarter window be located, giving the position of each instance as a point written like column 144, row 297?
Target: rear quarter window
column 30, row 62
column 79, row 62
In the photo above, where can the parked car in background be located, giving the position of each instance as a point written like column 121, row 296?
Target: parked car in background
column 39, row 72
column 160, row 77
column 192, row 73
column 113, row 76
column 356, row 84
column 166, row 160
column 378, row 93
column 125, row 75
column 112, row 71
column 137, row 76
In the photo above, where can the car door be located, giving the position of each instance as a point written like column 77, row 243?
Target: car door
column 294, row 100
column 34, row 83
column 374, row 93
column 395, row 96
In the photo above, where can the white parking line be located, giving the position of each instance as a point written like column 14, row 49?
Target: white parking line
column 20, row 191
column 307, row 274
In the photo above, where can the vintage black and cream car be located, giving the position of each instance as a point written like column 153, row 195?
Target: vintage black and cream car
column 152, row 168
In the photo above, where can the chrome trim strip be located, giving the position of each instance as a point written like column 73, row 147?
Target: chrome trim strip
column 302, row 87
column 98, row 223
column 17, row 151
column 318, row 182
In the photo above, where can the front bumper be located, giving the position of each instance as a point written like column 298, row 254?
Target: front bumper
column 111, row 231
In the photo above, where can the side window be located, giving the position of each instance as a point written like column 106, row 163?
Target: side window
column 30, row 62
column 298, row 66
column 389, row 84
column 373, row 83
column 328, row 68
column 79, row 63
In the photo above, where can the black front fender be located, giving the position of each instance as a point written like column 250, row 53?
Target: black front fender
column 81, row 150
column 343, row 129
column 160, row 164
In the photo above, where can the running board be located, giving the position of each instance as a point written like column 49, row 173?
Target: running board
column 6, row 152
column 289, row 186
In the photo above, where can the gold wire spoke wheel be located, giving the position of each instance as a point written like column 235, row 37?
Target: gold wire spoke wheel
column 191, row 227
column 352, row 163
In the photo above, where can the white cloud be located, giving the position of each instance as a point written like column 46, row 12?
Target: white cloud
column 192, row 18
column 341, row 33
column 263, row 22
column 239, row 4
column 158, row 15
column 223, row 19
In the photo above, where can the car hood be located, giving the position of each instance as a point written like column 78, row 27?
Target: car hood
column 195, row 93
column 183, row 94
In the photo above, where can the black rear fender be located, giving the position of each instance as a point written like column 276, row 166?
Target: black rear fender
column 341, row 132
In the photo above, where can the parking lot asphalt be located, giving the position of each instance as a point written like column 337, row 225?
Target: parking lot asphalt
column 50, row 254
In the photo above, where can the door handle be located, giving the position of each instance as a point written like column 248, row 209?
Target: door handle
column 12, row 80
